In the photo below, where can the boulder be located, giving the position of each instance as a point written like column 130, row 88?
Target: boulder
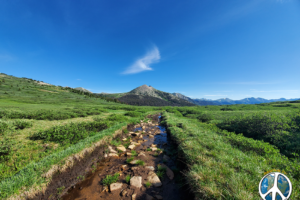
column 153, row 148
column 135, row 134
column 150, row 167
column 136, row 181
column 151, row 136
column 153, row 179
column 121, row 148
column 111, row 150
column 169, row 172
column 115, row 186
column 131, row 146
column 141, row 154
column 113, row 154
column 128, row 154
column 158, row 197
column 148, row 197
column 133, row 162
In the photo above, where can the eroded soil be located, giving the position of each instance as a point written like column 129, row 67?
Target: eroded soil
column 152, row 177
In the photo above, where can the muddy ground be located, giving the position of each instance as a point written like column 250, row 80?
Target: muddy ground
column 153, row 169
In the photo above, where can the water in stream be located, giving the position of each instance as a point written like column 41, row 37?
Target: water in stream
column 92, row 187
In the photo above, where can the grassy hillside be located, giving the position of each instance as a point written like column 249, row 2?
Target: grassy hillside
column 226, row 149
column 225, row 165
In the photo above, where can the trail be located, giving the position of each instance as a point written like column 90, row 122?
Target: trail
column 150, row 141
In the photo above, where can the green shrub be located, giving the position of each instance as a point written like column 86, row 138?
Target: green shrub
column 140, row 162
column 147, row 184
column 129, row 160
column 283, row 131
column 127, row 178
column 6, row 146
column 21, row 124
column 117, row 118
column 205, row 117
column 133, row 114
column 109, row 179
column 70, row 133
column 3, row 127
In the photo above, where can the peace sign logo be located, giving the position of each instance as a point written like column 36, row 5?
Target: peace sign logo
column 275, row 186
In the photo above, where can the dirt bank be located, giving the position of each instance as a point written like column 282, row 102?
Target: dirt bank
column 151, row 174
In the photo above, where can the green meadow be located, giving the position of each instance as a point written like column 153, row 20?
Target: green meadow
column 226, row 149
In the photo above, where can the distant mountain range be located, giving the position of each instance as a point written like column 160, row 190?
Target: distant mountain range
column 147, row 95
column 227, row 101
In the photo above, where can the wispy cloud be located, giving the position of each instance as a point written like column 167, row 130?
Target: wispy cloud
column 143, row 64
column 78, row 79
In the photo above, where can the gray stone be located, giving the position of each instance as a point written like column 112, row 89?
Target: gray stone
column 141, row 154
column 121, row 148
column 150, row 167
column 169, row 172
column 136, row 181
column 148, row 197
column 131, row 147
column 158, row 197
column 153, row 179
column 115, row 186
column 113, row 154
column 111, row 150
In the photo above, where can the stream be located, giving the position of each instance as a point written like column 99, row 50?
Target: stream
column 151, row 143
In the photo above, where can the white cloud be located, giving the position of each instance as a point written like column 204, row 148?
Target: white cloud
column 143, row 64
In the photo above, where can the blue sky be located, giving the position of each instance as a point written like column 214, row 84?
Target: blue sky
column 200, row 48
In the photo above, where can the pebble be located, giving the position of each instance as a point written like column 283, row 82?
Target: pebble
column 133, row 197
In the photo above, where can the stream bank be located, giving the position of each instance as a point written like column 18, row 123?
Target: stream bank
column 141, row 155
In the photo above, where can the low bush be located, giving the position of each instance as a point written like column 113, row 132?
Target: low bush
column 117, row 118
column 70, row 133
column 3, row 127
column 6, row 146
column 205, row 117
column 281, row 130
column 133, row 114
column 21, row 124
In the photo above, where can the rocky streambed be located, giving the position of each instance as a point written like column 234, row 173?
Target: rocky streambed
column 138, row 168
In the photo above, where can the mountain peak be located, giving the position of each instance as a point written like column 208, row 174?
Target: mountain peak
column 145, row 90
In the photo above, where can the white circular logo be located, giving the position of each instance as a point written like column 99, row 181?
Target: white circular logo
column 275, row 186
